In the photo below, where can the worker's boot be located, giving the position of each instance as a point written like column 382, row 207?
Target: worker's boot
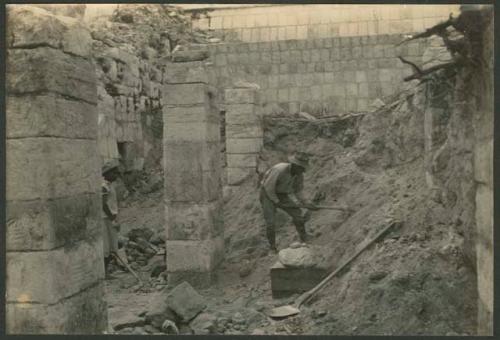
column 301, row 230
column 271, row 237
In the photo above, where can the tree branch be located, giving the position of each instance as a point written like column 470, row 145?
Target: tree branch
column 436, row 29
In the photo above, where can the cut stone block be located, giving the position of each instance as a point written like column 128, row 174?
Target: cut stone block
column 244, row 145
column 189, row 72
column 50, row 115
column 192, row 172
column 483, row 162
column 31, row 26
column 186, row 302
column 185, row 94
column 286, row 281
column 50, row 168
column 484, row 212
column 244, row 131
column 242, row 114
column 197, row 131
column 190, row 114
column 47, row 224
column 45, row 69
column 188, row 221
column 240, row 96
column 236, row 176
column 59, row 273
column 199, row 280
column 242, row 160
column 83, row 313
column 189, row 56
column 194, row 256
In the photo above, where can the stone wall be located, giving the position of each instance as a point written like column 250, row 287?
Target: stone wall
column 55, row 270
column 128, row 88
column 318, row 76
column 244, row 134
column 298, row 22
column 192, row 170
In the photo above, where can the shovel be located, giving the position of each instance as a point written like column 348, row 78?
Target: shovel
column 289, row 310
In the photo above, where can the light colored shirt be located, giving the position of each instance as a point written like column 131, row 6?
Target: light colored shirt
column 279, row 180
column 109, row 197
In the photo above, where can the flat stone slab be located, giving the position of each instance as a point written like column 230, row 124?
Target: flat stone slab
column 286, row 281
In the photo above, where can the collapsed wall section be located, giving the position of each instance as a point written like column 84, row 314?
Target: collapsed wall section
column 192, row 170
column 54, row 254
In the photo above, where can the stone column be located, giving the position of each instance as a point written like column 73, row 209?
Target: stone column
column 244, row 134
column 483, row 170
column 192, row 167
column 55, row 267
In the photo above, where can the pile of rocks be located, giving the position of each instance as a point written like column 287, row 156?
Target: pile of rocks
column 184, row 311
column 145, row 248
column 168, row 313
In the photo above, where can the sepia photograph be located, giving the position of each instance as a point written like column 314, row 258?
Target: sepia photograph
column 249, row 169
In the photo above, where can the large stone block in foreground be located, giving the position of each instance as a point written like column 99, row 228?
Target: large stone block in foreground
column 194, row 261
column 47, row 277
column 286, row 281
column 45, row 224
column 83, row 313
column 45, row 69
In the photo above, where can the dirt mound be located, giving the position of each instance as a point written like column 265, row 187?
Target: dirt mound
column 406, row 284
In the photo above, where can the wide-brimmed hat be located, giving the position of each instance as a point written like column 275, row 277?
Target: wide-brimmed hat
column 299, row 159
column 110, row 165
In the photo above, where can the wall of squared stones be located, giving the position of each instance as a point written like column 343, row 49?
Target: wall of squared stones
column 54, row 255
column 298, row 22
column 192, row 172
column 244, row 134
column 128, row 88
column 319, row 76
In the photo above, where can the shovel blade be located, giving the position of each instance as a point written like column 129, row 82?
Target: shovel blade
column 283, row 312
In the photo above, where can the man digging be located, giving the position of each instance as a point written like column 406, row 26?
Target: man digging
column 279, row 184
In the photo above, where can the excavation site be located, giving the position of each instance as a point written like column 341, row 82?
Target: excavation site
column 249, row 169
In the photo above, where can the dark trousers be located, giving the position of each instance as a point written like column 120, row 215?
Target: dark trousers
column 269, row 211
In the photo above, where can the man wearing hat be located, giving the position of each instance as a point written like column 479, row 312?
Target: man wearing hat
column 110, row 211
column 279, row 184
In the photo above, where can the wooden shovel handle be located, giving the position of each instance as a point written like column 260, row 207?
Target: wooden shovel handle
column 309, row 294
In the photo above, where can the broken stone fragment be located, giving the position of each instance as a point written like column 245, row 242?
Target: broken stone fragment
column 204, row 323
column 185, row 301
column 159, row 312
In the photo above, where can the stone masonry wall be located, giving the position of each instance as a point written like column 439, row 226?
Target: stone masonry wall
column 54, row 254
column 307, row 21
column 244, row 134
column 318, row 76
column 192, row 170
